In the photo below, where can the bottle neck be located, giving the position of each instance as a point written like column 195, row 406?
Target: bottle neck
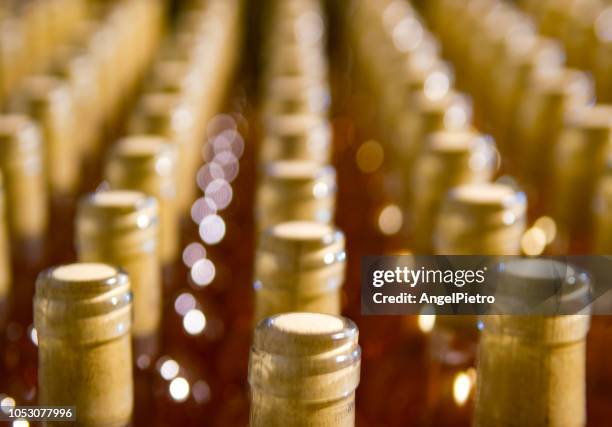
column 82, row 314
column 304, row 369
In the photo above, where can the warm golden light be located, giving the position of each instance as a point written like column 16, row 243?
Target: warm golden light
column 426, row 322
column 533, row 242
column 548, row 226
column 390, row 219
column 370, row 156
column 462, row 386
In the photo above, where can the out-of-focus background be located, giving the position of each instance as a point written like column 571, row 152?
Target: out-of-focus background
column 431, row 127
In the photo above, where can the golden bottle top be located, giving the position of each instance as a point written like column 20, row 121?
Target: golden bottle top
column 5, row 264
column 448, row 159
column 120, row 227
column 21, row 160
column 48, row 100
column 481, row 219
column 149, row 164
column 82, row 316
column 531, row 369
column 580, row 160
column 299, row 266
column 296, row 137
column 295, row 190
column 304, row 370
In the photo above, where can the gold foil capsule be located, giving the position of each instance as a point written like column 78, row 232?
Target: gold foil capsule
column 82, row 316
column 121, row 228
column 295, row 190
column 149, row 164
column 449, row 159
column 304, row 370
column 546, row 352
column 549, row 97
column 299, row 266
column 296, row 137
column 481, row 219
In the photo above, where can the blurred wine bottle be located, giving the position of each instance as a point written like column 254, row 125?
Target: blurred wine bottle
column 448, row 159
column 548, row 99
column 536, row 350
column 299, row 266
column 149, row 164
column 483, row 219
column 580, row 161
column 22, row 165
column 295, row 190
column 121, row 227
column 602, row 208
column 475, row 219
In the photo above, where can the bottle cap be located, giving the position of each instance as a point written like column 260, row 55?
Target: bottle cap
column 84, row 303
column 305, row 356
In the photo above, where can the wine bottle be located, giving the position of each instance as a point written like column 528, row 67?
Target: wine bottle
column 83, row 318
column 304, row 370
column 121, row 227
column 299, row 266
